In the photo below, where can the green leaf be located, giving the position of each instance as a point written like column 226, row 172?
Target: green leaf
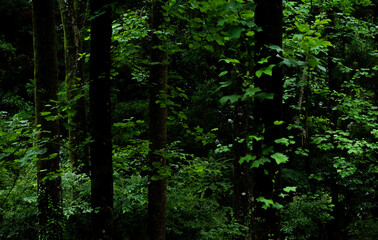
column 235, row 32
column 280, row 158
column 230, row 60
column 231, row 98
column 278, row 122
column 247, row 158
column 266, row 70
column 277, row 48
column 251, row 92
column 266, row 202
column 322, row 68
column 277, row 206
column 313, row 62
column 258, row 162
column 267, row 150
column 198, row 129
column 290, row 189
column 45, row 113
column 209, row 48
column 222, row 74
column 262, row 96
column 283, row 141
column 51, row 118
column 264, row 60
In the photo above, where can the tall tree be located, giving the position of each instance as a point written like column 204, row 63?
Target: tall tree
column 73, row 14
column 157, row 188
column 100, row 120
column 241, row 171
column 46, row 86
column 268, row 16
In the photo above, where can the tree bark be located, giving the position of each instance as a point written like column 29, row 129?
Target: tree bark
column 100, row 120
column 269, row 16
column 157, row 188
column 73, row 17
column 335, row 80
column 241, row 182
column 46, row 87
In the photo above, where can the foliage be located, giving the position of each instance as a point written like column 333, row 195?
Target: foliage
column 363, row 229
column 18, row 195
column 329, row 162
column 195, row 200
column 303, row 218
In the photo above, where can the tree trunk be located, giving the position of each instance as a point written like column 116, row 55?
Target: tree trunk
column 269, row 16
column 100, row 120
column 73, row 17
column 157, row 188
column 335, row 80
column 46, row 87
column 241, row 171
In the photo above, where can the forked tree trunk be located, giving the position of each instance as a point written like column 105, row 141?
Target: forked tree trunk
column 73, row 13
column 157, row 188
column 46, row 87
column 100, row 120
column 266, row 223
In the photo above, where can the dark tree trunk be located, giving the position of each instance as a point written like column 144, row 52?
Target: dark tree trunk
column 46, row 87
column 73, row 17
column 100, row 120
column 335, row 80
column 241, row 171
column 266, row 223
column 157, row 188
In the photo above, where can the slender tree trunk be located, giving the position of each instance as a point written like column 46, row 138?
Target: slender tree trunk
column 46, row 87
column 241, row 171
column 335, row 80
column 157, row 188
column 266, row 223
column 73, row 16
column 100, row 120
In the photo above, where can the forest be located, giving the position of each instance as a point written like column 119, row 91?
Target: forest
column 189, row 119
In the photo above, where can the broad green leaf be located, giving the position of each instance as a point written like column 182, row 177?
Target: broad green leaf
column 267, row 150
column 232, row 98
column 290, row 189
column 45, row 113
column 266, row 202
column 224, row 84
column 322, row 22
column 235, row 32
column 222, row 21
column 222, row 74
column 264, row 60
column 313, row 62
column 283, row 141
column 277, row 48
column 277, row 205
column 247, row 158
column 303, row 27
column 209, row 48
column 280, row 158
column 230, row 60
column 198, row 129
column 266, row 70
column 278, row 122
column 262, row 96
column 51, row 118
column 251, row 92
column 322, row 68
column 258, row 162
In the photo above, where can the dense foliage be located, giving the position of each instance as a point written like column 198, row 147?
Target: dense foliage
column 330, row 102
